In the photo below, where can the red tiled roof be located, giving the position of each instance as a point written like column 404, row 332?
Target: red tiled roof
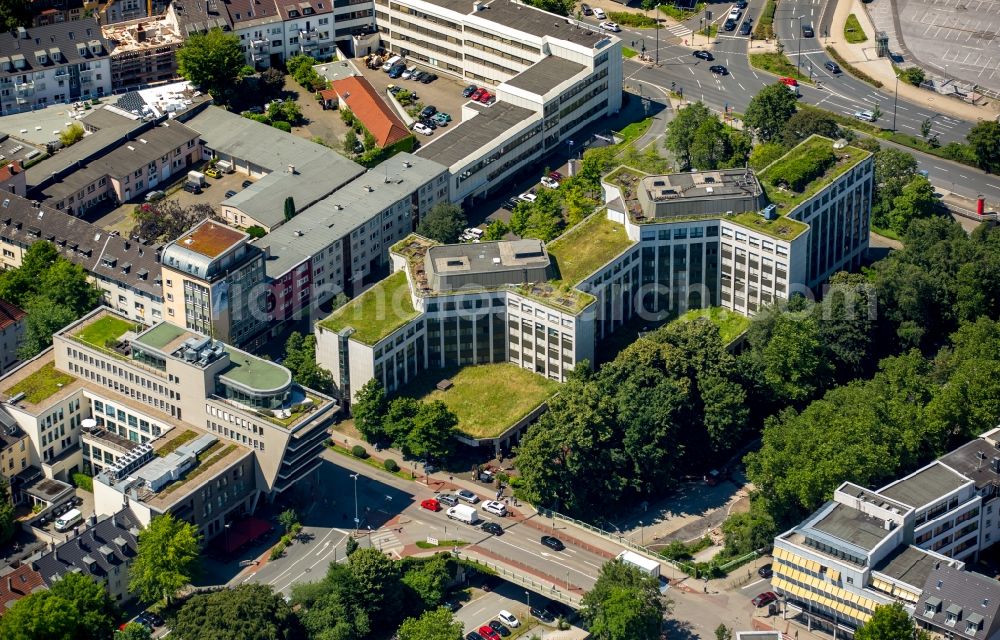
column 9, row 170
column 20, row 582
column 369, row 107
column 9, row 314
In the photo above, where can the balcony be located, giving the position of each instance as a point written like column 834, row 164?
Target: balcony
column 308, row 34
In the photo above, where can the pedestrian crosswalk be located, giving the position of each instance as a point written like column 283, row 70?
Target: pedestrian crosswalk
column 386, row 541
column 679, row 30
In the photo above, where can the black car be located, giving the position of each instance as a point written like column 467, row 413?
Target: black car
column 499, row 628
column 428, row 111
column 741, row 4
column 730, row 25
column 472, row 635
column 586, row 10
column 765, row 571
column 452, row 605
column 394, row 89
column 553, row 543
column 833, row 67
column 230, row 193
column 150, row 618
column 492, row 528
column 429, row 78
column 191, row 187
column 807, row 31
column 247, row 183
column 745, row 28
column 469, row 90
column 427, row 122
column 418, row 75
column 703, row 55
column 718, row 69
column 542, row 614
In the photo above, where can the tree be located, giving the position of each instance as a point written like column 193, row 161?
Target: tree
column 893, row 170
column 916, row 200
column 984, row 138
column 14, row 14
column 444, row 223
column 271, row 83
column 65, row 283
column 166, row 560
column 44, row 317
column 805, row 123
column 71, row 134
column 876, row 112
column 792, row 360
column 558, row 7
column 166, row 220
column 133, row 631
column 288, row 519
column 251, row 611
column 289, row 208
column 925, row 128
column 433, row 433
column 624, row 604
column 890, row 622
column 438, row 624
column 496, row 230
column 370, row 409
column 7, row 517
column 769, row 110
column 349, row 144
column 722, row 632
column 749, row 531
column 377, row 579
column 710, row 147
column 212, row 61
column 370, row 142
column 75, row 608
column 682, row 129
column 428, row 580
column 300, row 359
column 912, row 75
column 256, row 231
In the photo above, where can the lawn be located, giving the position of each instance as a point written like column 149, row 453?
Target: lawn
column 680, row 15
column 635, row 130
column 41, row 384
column 853, row 32
column 779, row 65
column 637, row 20
column 377, row 312
column 171, row 445
column 807, row 160
column 629, row 53
column 99, row 332
column 710, row 31
column 730, row 323
column 487, row 398
column 587, row 247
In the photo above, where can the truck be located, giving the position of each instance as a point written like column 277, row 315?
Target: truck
column 463, row 513
column 197, row 178
column 642, row 563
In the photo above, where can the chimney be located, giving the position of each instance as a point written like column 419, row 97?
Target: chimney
column 291, row 169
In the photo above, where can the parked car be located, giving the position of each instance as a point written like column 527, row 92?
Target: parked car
column 442, row 118
column 509, row 619
column 487, row 632
column 866, row 116
column 467, row 496
column 729, row 25
column 718, row 69
column 599, row 13
column 191, row 187
column 528, row 197
column 394, row 89
column 429, row 78
column 155, row 195
column 745, row 28
column 485, row 97
column 764, row 599
column 765, row 571
column 409, row 73
column 703, row 55
column 230, row 193
column 832, row 66
column 469, row 90
column 555, row 175
column 499, row 628
column 610, row 26
column 492, row 528
column 477, row 94
column 448, row 499
column 153, row 618
column 430, row 124
column 472, row 635
column 420, row 127
column 586, row 10
column 553, row 543
column 247, row 183
column 490, row 99
column 428, row 111
column 395, row 72
column 549, row 182
column 495, row 507
column 212, row 172
column 542, row 615
column 807, row 31
column 430, row 504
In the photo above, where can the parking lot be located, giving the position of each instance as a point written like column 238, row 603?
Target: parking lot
column 484, row 607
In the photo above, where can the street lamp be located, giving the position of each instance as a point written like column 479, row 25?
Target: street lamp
column 895, row 98
column 642, row 538
column 798, row 58
column 657, row 14
column 527, row 594
column 357, row 521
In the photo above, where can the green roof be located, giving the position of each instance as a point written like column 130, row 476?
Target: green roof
column 487, row 399
column 161, row 335
column 107, row 327
column 41, row 384
column 255, row 373
column 781, row 227
column 587, row 247
column 807, row 155
column 377, row 312
column 731, row 324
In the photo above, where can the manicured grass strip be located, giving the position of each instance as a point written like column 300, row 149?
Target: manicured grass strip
column 853, row 32
column 635, row 130
column 637, row 20
column 851, row 69
column 778, row 64
column 185, row 436
column 730, row 323
column 99, row 332
column 629, row 53
column 681, row 14
column 887, row 233
column 371, row 462
column 41, row 384
column 591, row 244
column 377, row 312
column 423, row 544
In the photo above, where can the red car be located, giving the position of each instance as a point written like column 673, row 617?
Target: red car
column 764, row 599
column 488, row 633
column 431, row 504
column 555, row 175
column 791, row 82
column 485, row 97
column 478, row 93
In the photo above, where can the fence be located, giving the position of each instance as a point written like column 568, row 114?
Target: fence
column 549, row 590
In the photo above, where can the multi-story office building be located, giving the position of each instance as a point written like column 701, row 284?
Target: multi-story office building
column 169, row 419
column 553, row 76
column 909, row 542
column 55, row 63
column 213, row 283
column 665, row 244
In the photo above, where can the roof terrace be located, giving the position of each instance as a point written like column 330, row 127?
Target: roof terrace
column 377, row 312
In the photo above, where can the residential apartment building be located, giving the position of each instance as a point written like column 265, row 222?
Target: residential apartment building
column 61, row 62
column 13, row 179
column 15, row 450
column 664, row 244
column 213, row 283
column 907, row 542
column 145, row 411
column 47, row 12
column 12, row 326
column 143, row 51
column 17, row 581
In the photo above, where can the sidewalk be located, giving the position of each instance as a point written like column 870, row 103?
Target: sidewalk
column 863, row 57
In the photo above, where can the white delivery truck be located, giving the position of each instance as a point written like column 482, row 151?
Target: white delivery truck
column 463, row 513
column 197, row 177
column 642, row 563
column 68, row 519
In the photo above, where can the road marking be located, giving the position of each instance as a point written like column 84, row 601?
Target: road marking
column 940, row 168
column 753, row 583
column 699, row 83
column 592, row 564
column 742, row 88
column 691, row 70
column 961, row 176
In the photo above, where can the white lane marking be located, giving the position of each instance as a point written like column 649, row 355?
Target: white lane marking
column 742, row 88
column 753, row 583
column 940, row 168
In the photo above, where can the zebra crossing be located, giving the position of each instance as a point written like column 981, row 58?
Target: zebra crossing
column 679, row 30
column 386, row 541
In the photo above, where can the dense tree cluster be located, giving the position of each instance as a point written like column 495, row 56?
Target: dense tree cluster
column 247, row 612
column 212, row 61
column 167, row 559
column 699, row 140
column 891, row 622
column 167, row 220
column 52, row 290
column 625, row 604
column 300, row 359
column 444, row 223
column 418, row 429
column 75, row 608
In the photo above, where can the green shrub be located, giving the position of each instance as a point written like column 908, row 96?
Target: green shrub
column 256, row 231
column 912, row 75
column 83, row 481
column 632, row 19
column 358, row 451
column 798, row 171
column 282, row 126
column 390, row 465
column 765, row 24
column 278, row 550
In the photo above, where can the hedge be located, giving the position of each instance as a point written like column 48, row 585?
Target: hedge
column 765, row 24
column 851, row 69
column 358, row 451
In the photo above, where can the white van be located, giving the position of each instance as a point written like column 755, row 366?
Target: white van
column 68, row 519
column 391, row 62
column 463, row 513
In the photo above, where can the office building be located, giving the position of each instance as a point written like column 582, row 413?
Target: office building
column 61, row 62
